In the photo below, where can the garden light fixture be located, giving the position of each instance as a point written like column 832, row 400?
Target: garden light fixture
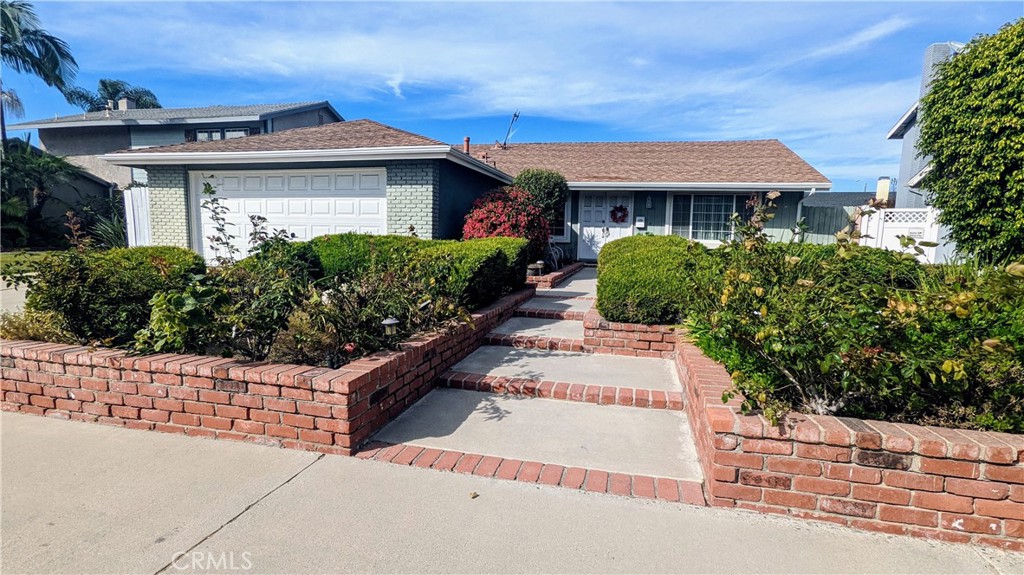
column 390, row 326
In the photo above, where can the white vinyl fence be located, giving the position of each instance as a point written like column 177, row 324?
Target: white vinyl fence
column 883, row 228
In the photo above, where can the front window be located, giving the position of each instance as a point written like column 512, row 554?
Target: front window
column 557, row 223
column 707, row 217
column 231, row 133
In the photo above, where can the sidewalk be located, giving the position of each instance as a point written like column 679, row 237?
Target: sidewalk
column 89, row 498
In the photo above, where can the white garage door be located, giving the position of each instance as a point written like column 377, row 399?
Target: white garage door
column 306, row 203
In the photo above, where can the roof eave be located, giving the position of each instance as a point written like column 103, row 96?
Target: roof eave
column 701, row 186
column 442, row 151
column 131, row 122
column 905, row 122
column 300, row 109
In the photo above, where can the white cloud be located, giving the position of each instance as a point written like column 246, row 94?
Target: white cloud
column 826, row 79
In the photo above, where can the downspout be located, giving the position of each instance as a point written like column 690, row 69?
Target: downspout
column 800, row 211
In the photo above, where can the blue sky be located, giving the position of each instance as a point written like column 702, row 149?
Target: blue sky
column 827, row 78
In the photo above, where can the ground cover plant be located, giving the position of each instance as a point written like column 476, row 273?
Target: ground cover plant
column 841, row 329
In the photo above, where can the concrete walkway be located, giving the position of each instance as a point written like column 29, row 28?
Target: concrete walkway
column 582, row 284
column 571, row 367
column 86, row 498
column 535, row 327
column 609, row 438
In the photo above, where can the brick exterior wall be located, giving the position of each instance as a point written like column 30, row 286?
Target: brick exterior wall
column 413, row 192
column 952, row 485
column 168, row 206
column 291, row 406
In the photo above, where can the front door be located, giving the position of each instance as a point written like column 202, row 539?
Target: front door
column 596, row 225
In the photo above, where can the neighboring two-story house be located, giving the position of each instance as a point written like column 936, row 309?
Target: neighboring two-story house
column 910, row 193
column 82, row 137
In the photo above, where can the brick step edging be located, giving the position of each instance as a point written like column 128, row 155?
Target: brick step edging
column 579, row 478
column 535, row 342
column 550, row 314
column 558, row 390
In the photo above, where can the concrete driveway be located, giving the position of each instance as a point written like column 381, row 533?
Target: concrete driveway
column 85, row 498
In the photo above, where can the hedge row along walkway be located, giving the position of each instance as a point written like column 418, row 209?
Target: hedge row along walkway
column 538, row 406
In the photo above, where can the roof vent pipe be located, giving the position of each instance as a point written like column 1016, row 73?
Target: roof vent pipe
column 465, row 145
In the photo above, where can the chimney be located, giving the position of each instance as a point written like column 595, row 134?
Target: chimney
column 465, row 145
column 882, row 188
column 126, row 104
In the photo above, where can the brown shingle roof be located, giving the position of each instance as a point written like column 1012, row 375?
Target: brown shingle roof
column 335, row 136
column 750, row 161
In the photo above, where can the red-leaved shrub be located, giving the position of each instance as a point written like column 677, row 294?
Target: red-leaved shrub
column 508, row 212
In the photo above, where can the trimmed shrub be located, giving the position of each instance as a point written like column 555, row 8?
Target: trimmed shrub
column 549, row 189
column 652, row 279
column 34, row 325
column 104, row 296
column 346, row 256
column 511, row 213
column 476, row 272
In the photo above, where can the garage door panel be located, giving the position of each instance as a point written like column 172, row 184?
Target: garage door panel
column 306, row 203
column 345, row 182
column 274, row 183
column 369, row 182
column 252, row 184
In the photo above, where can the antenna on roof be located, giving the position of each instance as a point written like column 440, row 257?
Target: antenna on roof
column 509, row 132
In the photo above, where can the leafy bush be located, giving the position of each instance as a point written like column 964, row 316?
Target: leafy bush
column 652, row 279
column 549, row 189
column 238, row 308
column 971, row 131
column 103, row 296
column 35, row 326
column 840, row 329
column 348, row 255
column 475, row 272
column 345, row 320
column 508, row 212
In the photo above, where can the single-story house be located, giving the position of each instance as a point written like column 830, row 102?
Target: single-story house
column 81, row 138
column 367, row 177
column 347, row 176
column 689, row 189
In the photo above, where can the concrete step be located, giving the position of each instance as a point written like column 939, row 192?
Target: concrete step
column 537, row 333
column 600, row 379
column 582, row 284
column 572, row 308
column 608, row 449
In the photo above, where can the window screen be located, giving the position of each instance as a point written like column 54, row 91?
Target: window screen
column 711, row 217
column 681, row 216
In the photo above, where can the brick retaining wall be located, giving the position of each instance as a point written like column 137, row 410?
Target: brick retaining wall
column 632, row 339
column 952, row 485
column 291, row 406
column 551, row 280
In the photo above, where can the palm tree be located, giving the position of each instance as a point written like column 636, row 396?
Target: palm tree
column 26, row 47
column 111, row 90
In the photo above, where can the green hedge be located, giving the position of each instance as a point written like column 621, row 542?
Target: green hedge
column 652, row 279
column 103, row 296
column 474, row 273
column 348, row 255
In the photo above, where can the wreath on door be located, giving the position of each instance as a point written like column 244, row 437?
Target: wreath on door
column 619, row 214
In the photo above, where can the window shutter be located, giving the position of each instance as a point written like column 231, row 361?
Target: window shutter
column 190, row 135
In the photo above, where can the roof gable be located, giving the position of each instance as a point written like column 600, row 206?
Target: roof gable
column 743, row 161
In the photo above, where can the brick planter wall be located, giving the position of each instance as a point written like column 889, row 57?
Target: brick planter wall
column 548, row 281
column 291, row 406
column 633, row 339
column 952, row 485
